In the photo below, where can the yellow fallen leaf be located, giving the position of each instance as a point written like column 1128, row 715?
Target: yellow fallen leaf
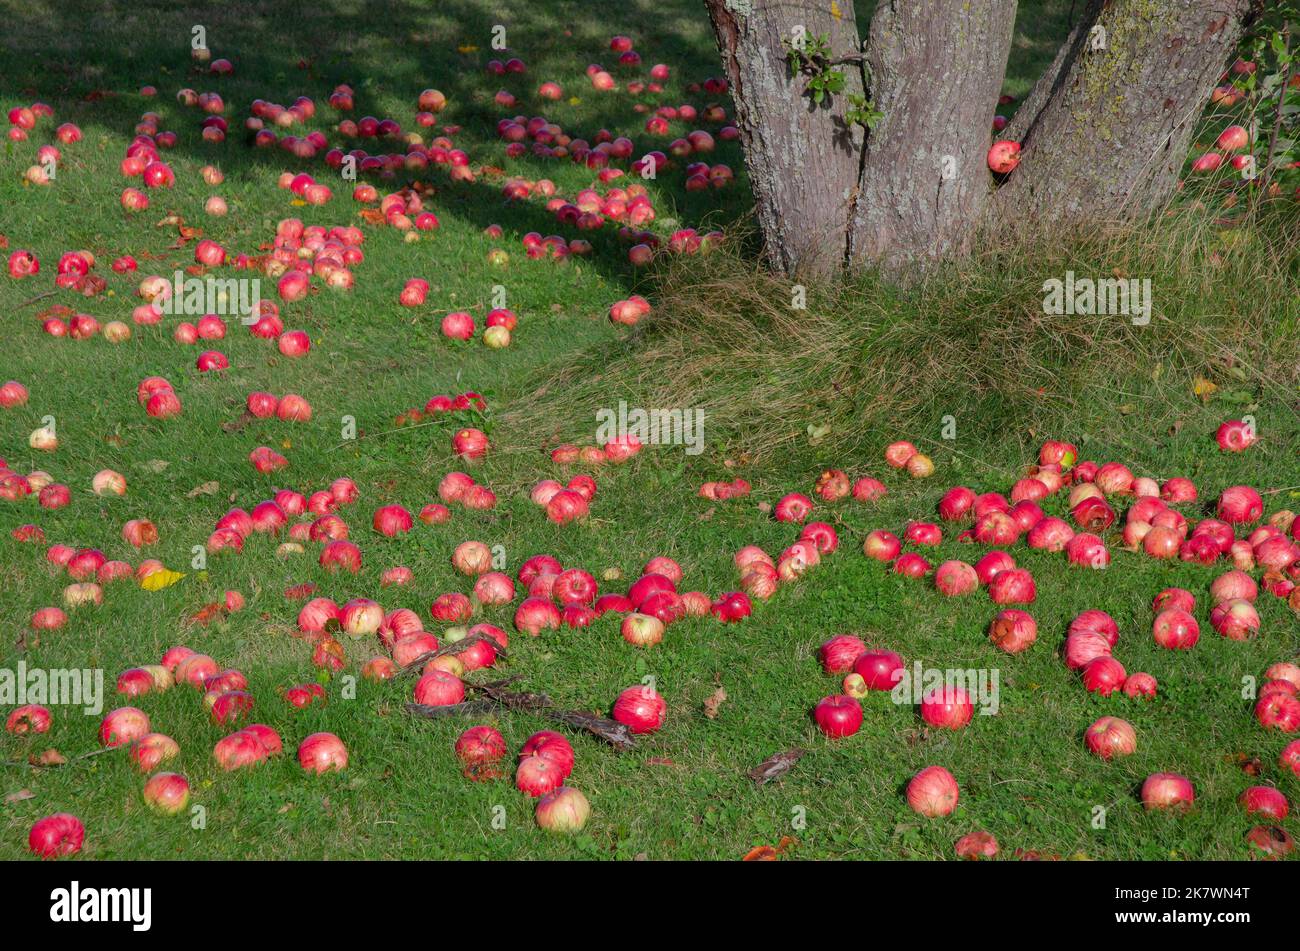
column 162, row 578
column 298, row 202
column 467, row 48
column 574, row 101
column 1203, row 388
column 835, row 10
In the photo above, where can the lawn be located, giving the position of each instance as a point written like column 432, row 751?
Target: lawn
column 1025, row 773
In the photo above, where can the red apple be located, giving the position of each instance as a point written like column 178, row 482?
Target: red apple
column 1013, row 630
column 641, row 709
column 947, row 707
column 537, row 775
column 439, row 689
column 881, row 669
column 1265, row 801
column 1109, row 737
column 123, row 726
column 840, row 653
column 1175, row 629
column 1104, row 675
column 480, row 744
column 56, row 835
column 838, row 715
column 1167, row 791
column 933, row 792
column 167, row 792
column 322, row 752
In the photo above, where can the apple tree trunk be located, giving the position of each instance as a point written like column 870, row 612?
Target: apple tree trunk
column 1104, row 132
column 935, row 71
column 801, row 156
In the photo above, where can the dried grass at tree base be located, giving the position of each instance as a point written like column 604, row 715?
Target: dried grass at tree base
column 876, row 362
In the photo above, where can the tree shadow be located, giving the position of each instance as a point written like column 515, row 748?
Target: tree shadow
column 89, row 59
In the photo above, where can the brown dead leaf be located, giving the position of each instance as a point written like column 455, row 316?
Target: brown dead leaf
column 205, row 614
column 50, row 757
column 1250, row 765
column 712, row 703
column 20, row 795
column 1033, row 855
column 774, row 767
column 207, row 488
column 238, row 423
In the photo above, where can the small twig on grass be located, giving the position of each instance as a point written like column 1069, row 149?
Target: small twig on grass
column 27, row 303
column 61, row 762
column 1285, row 488
column 612, row 732
column 451, row 710
column 455, row 647
column 1277, row 117
column 495, row 698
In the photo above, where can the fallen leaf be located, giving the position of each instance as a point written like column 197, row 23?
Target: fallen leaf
column 162, row 578
column 20, row 795
column 50, row 757
column 712, row 703
column 1203, row 388
column 776, row 766
column 207, row 488
column 206, row 613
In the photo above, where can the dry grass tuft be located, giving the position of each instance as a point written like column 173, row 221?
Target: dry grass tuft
column 972, row 340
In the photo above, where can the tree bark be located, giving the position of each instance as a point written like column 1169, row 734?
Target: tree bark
column 1106, row 131
column 934, row 70
column 802, row 159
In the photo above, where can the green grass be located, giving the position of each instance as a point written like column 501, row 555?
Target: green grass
column 683, row 793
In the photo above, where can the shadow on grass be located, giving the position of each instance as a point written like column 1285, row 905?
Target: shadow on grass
column 89, row 60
